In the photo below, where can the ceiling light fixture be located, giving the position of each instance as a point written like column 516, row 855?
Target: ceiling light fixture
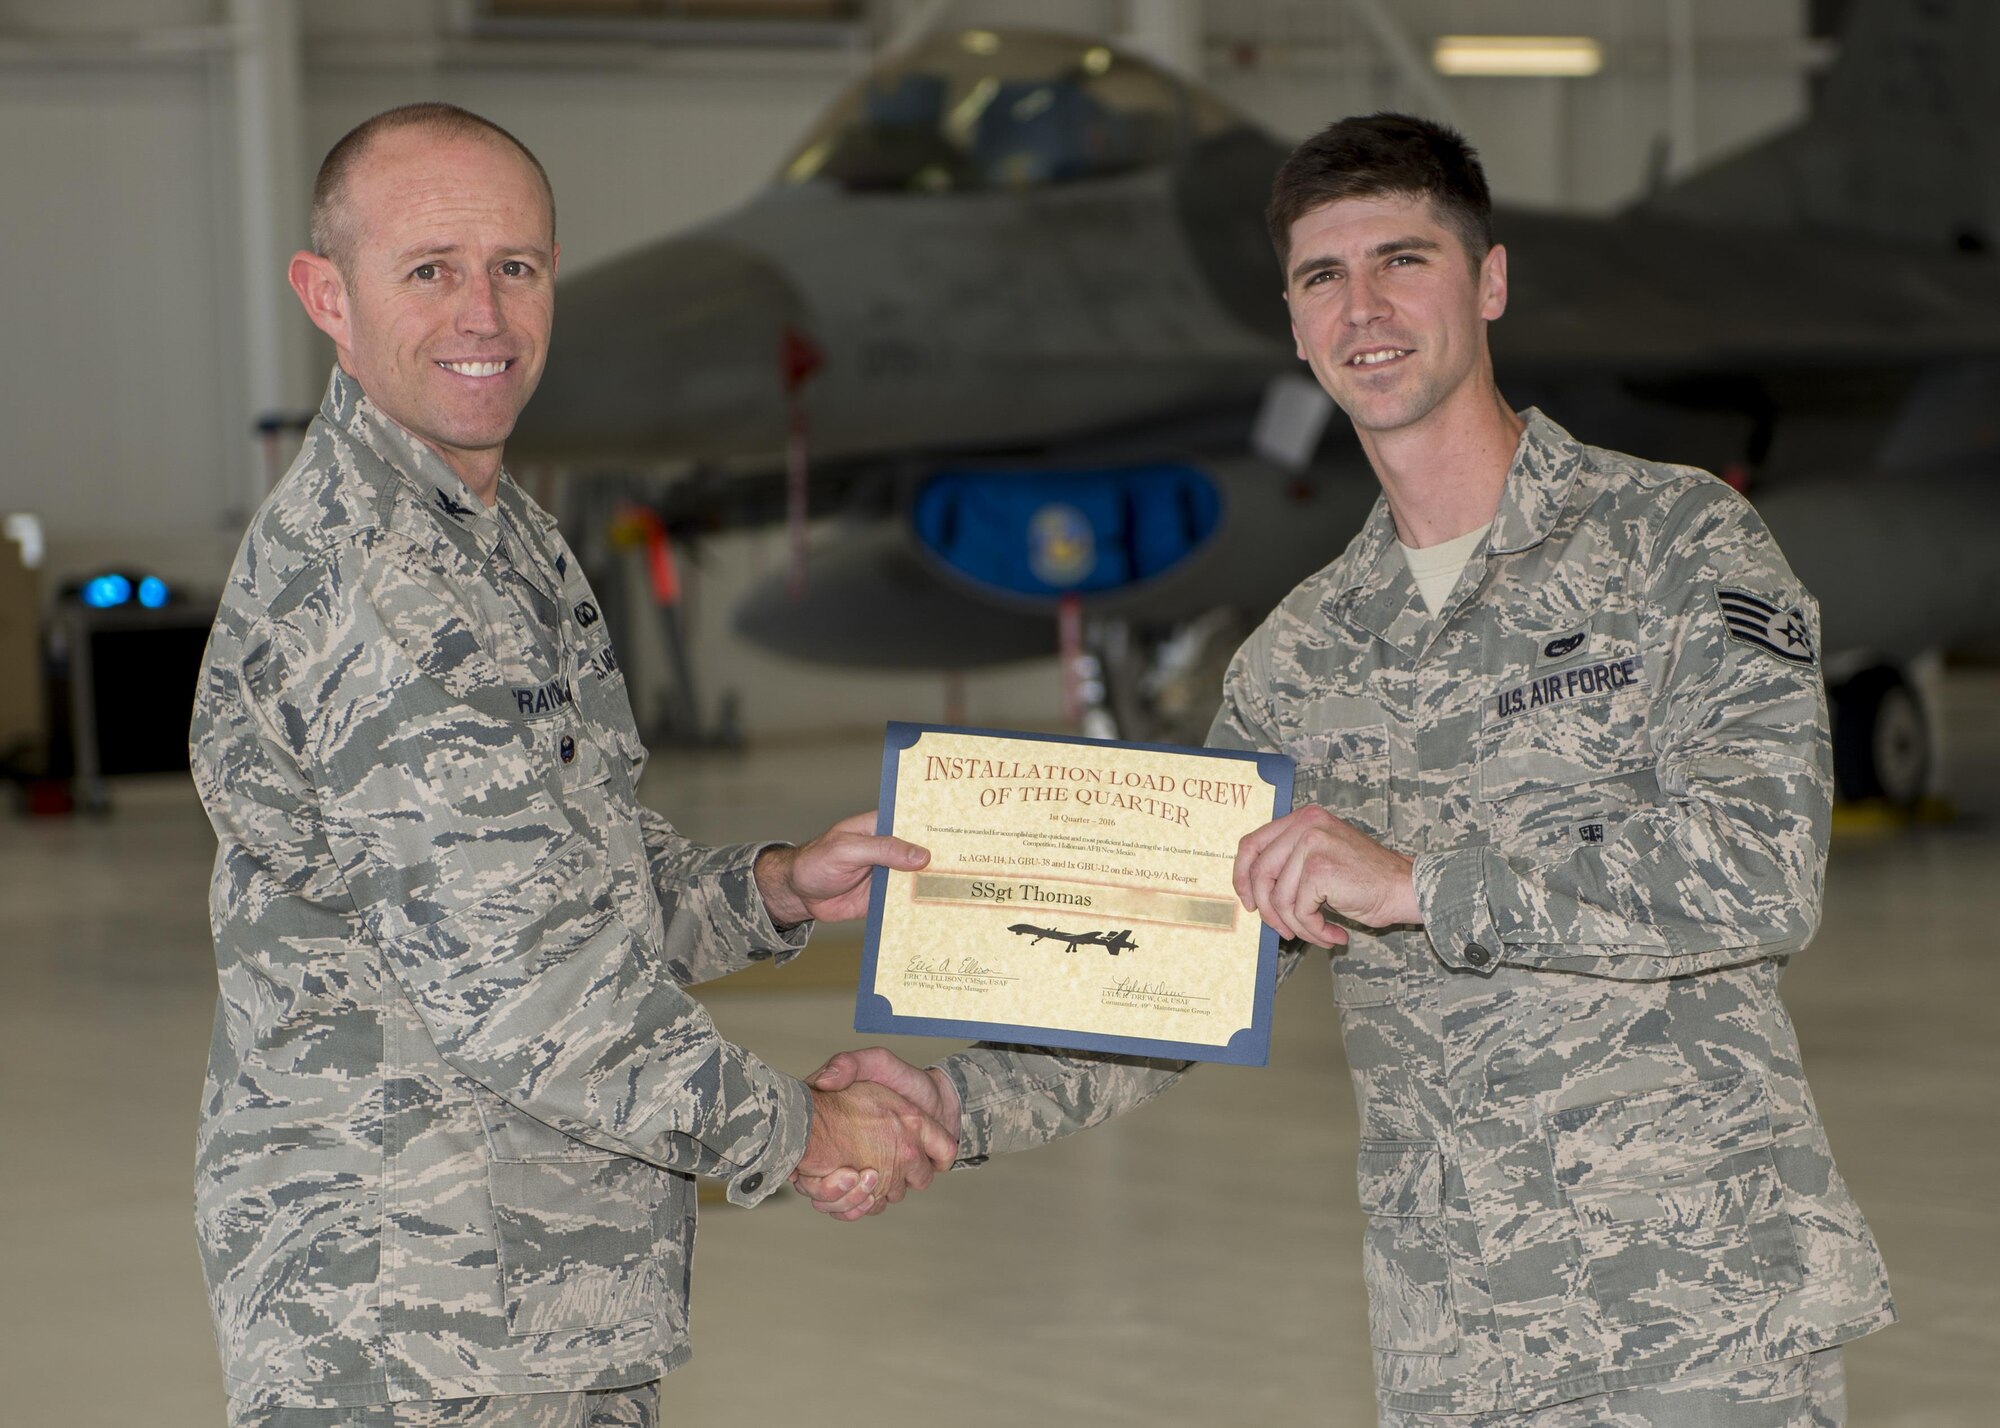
column 1567, row 56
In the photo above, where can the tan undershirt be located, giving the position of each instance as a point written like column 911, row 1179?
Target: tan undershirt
column 1436, row 568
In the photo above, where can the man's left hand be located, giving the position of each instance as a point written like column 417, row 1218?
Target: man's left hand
column 1298, row 871
column 827, row 879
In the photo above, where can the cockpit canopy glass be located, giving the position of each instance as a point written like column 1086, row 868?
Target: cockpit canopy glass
column 971, row 110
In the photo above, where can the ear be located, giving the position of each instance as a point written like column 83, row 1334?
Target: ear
column 323, row 294
column 555, row 260
column 1493, row 283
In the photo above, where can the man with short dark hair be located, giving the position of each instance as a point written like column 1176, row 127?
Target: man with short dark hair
column 1563, row 787
column 457, row 1097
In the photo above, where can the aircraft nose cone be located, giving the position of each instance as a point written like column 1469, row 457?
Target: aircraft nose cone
column 676, row 350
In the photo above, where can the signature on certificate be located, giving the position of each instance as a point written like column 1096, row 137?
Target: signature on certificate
column 1132, row 991
column 945, row 967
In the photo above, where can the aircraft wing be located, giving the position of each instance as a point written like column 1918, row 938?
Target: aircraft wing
column 1649, row 296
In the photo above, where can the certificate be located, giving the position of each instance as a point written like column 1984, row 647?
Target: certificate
column 1078, row 895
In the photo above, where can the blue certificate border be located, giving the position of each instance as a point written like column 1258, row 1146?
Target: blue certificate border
column 1250, row 1046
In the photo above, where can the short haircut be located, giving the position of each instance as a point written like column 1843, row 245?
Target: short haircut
column 1376, row 155
column 332, row 232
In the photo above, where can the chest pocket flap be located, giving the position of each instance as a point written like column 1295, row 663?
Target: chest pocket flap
column 1346, row 772
column 1566, row 741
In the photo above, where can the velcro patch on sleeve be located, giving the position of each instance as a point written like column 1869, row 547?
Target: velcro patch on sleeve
column 1776, row 629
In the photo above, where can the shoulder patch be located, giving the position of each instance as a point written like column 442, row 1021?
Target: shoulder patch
column 1776, row 629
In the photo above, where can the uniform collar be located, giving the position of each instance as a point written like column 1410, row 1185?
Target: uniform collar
column 1546, row 460
column 1379, row 593
column 468, row 522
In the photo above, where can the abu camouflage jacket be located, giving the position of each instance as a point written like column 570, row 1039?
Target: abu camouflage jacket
column 1588, row 1155
column 456, row 1096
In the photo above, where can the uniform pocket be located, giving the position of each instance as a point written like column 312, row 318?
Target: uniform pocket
column 1346, row 772
column 1563, row 746
column 1404, row 1263
column 1676, row 1198
column 577, row 1228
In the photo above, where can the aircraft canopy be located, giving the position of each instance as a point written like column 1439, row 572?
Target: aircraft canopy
column 971, row 110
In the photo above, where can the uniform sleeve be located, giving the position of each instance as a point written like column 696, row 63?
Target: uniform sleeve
column 1014, row 1097
column 715, row 918
column 1729, row 865
column 478, row 863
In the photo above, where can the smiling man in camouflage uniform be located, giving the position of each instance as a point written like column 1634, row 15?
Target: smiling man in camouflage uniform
column 457, row 1098
column 1564, row 789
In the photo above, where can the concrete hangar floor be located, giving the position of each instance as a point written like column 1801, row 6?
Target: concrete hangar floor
column 1196, row 1263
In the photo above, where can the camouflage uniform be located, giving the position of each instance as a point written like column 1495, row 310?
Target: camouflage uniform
column 456, row 1098
column 1588, row 1155
column 1809, row 1391
column 601, row 1408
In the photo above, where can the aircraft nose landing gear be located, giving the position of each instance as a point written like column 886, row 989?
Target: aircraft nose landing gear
column 1882, row 746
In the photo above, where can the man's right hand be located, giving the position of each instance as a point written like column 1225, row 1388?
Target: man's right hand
column 845, row 1191
column 886, row 1143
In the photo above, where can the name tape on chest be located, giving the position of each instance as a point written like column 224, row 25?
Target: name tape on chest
column 1773, row 628
column 542, row 698
column 1581, row 682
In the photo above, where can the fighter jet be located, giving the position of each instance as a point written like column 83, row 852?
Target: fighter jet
column 1012, row 300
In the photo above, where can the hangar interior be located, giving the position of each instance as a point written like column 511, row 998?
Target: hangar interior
column 1194, row 1263
column 163, row 151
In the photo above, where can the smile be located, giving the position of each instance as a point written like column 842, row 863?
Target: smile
column 1377, row 358
column 478, row 369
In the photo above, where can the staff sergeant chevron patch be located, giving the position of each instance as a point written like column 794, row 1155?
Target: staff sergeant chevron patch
column 1756, row 621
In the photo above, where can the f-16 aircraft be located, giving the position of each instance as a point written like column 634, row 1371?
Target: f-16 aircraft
column 1014, row 297
column 1112, row 942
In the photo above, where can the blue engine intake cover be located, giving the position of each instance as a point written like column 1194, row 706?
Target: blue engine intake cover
column 1043, row 533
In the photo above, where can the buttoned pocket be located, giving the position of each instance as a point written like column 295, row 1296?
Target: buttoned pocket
column 577, row 1228
column 1676, row 1198
column 1404, row 1260
column 1346, row 772
column 1564, row 745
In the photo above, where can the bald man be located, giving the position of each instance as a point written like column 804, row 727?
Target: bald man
column 457, row 1097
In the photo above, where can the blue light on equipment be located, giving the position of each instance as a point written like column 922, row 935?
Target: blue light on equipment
column 152, row 592
column 106, row 591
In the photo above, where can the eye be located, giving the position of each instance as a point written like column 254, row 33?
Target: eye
column 1404, row 259
column 515, row 268
column 1324, row 275
column 425, row 272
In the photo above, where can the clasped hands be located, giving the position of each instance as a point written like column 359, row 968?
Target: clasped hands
column 878, row 1130
column 881, row 1127
column 1298, row 873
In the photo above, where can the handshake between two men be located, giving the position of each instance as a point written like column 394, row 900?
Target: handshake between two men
column 879, row 1127
column 882, row 1127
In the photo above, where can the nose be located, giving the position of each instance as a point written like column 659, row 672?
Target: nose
column 479, row 311
column 1366, row 300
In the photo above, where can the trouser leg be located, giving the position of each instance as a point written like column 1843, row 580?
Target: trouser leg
column 1809, row 1391
column 635, row 1407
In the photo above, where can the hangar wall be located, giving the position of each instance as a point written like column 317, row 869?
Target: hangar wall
column 123, row 416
